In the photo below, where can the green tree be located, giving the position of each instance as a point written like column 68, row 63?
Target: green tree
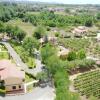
column 98, row 16
column 28, row 44
column 9, row 30
column 2, row 27
column 71, row 56
column 62, row 84
column 39, row 32
column 18, row 33
column 53, row 64
column 46, row 52
column 41, row 76
column 88, row 22
column 81, row 54
column 67, row 10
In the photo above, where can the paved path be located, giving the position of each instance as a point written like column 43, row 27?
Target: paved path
column 20, row 63
column 29, row 83
column 15, row 56
column 38, row 93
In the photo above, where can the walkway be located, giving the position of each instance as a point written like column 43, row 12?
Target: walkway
column 29, row 83
column 20, row 63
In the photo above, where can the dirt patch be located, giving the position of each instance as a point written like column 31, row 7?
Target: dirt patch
column 81, row 70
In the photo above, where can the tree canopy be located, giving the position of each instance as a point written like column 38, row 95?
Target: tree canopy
column 29, row 43
column 39, row 32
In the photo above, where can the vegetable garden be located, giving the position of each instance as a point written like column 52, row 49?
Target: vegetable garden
column 88, row 84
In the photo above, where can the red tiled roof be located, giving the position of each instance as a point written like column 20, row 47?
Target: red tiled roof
column 98, row 62
column 9, row 69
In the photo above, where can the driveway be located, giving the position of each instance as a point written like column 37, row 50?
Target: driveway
column 38, row 93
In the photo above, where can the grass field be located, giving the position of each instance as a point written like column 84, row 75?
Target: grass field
column 27, row 27
column 3, row 52
column 61, row 13
column 33, row 13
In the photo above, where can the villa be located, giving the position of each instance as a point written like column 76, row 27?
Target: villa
column 11, row 77
column 80, row 30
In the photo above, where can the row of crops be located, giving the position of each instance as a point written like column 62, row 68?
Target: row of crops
column 88, row 84
column 75, row 44
column 90, row 45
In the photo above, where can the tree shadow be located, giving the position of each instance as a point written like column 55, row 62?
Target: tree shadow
column 2, row 94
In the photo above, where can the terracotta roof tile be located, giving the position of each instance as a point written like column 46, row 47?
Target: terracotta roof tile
column 9, row 69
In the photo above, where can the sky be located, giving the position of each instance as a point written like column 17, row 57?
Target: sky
column 68, row 1
column 71, row 1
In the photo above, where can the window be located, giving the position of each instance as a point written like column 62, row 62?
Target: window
column 19, row 86
column 14, row 87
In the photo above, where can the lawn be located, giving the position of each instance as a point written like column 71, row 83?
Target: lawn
column 61, row 13
column 3, row 52
column 27, row 27
column 4, row 55
column 33, row 13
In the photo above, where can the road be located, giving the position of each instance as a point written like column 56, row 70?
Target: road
column 38, row 93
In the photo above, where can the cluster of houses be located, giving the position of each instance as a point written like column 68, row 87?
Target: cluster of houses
column 57, row 9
